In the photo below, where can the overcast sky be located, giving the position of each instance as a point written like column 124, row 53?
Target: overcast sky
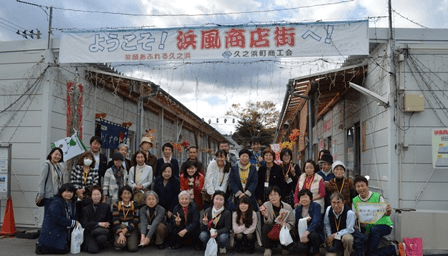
column 209, row 89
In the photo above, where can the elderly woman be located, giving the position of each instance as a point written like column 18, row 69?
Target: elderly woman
column 83, row 177
column 290, row 173
column 114, row 179
column 268, row 176
column 152, row 224
column 244, row 222
column 341, row 184
column 184, row 222
column 125, row 215
column 220, row 219
column 96, row 220
column 312, row 236
column 217, row 176
column 243, row 181
column 167, row 186
column 51, row 177
column 313, row 182
column 58, row 220
column 275, row 214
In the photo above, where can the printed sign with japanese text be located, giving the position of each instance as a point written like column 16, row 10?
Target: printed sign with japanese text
column 217, row 42
column 371, row 212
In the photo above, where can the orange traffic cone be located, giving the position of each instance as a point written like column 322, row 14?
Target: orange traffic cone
column 9, row 225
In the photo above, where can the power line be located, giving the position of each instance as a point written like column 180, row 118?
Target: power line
column 191, row 15
column 12, row 23
column 418, row 24
column 8, row 26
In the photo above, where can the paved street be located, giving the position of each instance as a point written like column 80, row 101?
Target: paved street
column 19, row 246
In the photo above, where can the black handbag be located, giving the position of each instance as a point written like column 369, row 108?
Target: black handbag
column 41, row 203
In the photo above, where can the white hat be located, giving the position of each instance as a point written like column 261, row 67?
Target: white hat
column 146, row 139
column 336, row 163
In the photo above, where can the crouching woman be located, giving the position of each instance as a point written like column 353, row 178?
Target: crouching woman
column 58, row 221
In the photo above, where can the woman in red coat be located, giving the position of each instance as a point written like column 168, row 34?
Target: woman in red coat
column 192, row 181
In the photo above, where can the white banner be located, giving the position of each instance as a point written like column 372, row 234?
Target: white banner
column 371, row 212
column 217, row 42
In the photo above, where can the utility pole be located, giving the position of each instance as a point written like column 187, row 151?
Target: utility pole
column 49, row 28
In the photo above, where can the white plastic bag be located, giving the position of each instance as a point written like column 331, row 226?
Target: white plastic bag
column 285, row 236
column 212, row 247
column 302, row 227
column 77, row 239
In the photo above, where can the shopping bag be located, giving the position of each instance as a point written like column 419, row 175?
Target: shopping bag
column 302, row 227
column 77, row 239
column 414, row 246
column 285, row 236
column 212, row 248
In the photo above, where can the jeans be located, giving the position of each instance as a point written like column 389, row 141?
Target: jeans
column 221, row 239
column 376, row 234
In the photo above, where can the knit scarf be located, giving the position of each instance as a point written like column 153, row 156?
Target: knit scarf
column 119, row 177
column 244, row 174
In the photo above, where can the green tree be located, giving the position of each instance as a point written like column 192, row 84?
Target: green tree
column 257, row 119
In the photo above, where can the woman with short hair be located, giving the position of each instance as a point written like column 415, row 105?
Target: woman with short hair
column 218, row 218
column 96, row 221
column 58, row 222
column 51, row 177
column 184, row 222
column 313, row 235
column 290, row 173
column 167, row 186
column 152, row 221
column 115, row 178
column 126, row 215
column 275, row 212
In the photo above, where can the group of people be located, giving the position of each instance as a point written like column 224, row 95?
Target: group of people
column 157, row 201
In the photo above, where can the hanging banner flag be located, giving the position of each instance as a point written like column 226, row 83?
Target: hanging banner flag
column 217, row 42
column 112, row 134
column 71, row 146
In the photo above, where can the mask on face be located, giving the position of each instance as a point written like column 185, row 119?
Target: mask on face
column 87, row 162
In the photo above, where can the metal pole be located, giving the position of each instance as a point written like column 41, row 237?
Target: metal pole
column 310, row 129
column 49, row 28
column 138, row 123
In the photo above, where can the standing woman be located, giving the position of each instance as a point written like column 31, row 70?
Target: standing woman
column 114, row 179
column 243, row 181
column 244, row 222
column 152, row 221
column 51, row 177
column 59, row 219
column 125, row 216
column 96, row 220
column 184, row 222
column 217, row 176
column 341, row 184
column 167, row 186
column 290, row 174
column 268, row 176
column 84, row 176
column 192, row 181
column 312, row 181
column 140, row 176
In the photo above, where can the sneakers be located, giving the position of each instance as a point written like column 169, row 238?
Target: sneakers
column 222, row 250
column 267, row 252
column 285, row 252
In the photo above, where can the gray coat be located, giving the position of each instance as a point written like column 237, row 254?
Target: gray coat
column 144, row 220
column 48, row 185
